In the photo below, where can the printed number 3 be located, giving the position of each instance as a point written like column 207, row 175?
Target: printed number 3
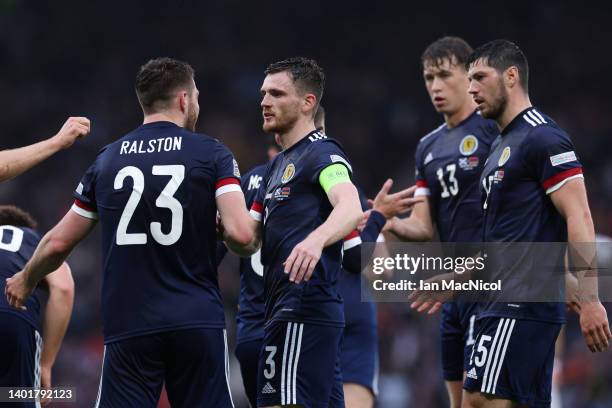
column 164, row 200
column 270, row 370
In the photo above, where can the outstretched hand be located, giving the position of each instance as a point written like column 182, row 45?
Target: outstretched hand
column 391, row 205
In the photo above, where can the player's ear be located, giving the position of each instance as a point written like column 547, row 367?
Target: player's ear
column 511, row 76
column 310, row 102
column 183, row 101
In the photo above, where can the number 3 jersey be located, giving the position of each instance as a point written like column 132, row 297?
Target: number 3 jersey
column 154, row 193
column 293, row 204
column 448, row 167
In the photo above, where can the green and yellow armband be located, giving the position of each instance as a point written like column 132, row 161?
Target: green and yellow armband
column 334, row 174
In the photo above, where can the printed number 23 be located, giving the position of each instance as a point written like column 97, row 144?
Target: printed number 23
column 164, row 200
column 453, row 185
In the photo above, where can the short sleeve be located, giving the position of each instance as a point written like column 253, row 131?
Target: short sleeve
column 552, row 158
column 85, row 194
column 324, row 154
column 419, row 173
column 257, row 208
column 227, row 178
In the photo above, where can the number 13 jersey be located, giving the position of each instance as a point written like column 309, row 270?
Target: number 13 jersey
column 448, row 167
column 154, row 193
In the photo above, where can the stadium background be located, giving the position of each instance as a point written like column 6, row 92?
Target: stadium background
column 80, row 58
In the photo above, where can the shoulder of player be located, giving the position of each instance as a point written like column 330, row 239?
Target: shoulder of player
column 258, row 170
column 543, row 129
column 325, row 144
column 431, row 136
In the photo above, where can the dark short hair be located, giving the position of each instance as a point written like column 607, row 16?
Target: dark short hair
column 319, row 118
column 12, row 215
column 446, row 48
column 501, row 55
column 306, row 74
column 158, row 79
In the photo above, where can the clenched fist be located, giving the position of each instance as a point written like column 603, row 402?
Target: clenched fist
column 74, row 128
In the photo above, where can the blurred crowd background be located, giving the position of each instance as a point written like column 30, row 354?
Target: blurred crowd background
column 75, row 58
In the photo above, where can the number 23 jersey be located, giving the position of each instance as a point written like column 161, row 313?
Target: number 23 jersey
column 154, row 193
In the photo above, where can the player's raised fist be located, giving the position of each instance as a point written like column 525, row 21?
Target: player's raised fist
column 74, row 128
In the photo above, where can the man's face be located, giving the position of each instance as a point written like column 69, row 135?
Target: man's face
column 193, row 109
column 280, row 103
column 487, row 89
column 447, row 84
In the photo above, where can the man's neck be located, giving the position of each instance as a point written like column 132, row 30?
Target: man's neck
column 163, row 117
column 452, row 120
column 515, row 106
column 296, row 133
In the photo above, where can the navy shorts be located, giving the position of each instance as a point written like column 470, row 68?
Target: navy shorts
column 457, row 333
column 247, row 354
column 299, row 364
column 359, row 352
column 513, row 359
column 20, row 356
column 193, row 363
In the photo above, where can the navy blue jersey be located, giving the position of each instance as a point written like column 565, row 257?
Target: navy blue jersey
column 532, row 158
column 293, row 204
column 154, row 192
column 449, row 163
column 17, row 245
column 250, row 317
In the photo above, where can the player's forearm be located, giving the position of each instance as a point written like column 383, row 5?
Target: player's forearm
column 411, row 229
column 343, row 219
column 245, row 248
column 51, row 252
column 16, row 161
column 583, row 254
column 57, row 317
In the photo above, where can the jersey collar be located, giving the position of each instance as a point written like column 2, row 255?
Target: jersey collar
column 299, row 142
column 514, row 123
column 464, row 121
column 161, row 123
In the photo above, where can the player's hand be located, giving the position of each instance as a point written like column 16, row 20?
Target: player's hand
column 431, row 301
column 45, row 382
column 390, row 224
column 364, row 220
column 74, row 128
column 303, row 258
column 17, row 290
column 391, row 205
column 595, row 327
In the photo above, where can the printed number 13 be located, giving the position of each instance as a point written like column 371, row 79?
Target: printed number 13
column 453, row 186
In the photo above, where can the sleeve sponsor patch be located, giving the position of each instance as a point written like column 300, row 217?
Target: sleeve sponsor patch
column 339, row 159
column 562, row 158
column 236, row 169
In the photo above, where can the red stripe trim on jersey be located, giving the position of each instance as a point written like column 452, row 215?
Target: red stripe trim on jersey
column 82, row 205
column 257, row 207
column 421, row 183
column 226, row 181
column 352, row 235
column 557, row 178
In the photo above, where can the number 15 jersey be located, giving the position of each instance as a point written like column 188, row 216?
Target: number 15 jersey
column 154, row 192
